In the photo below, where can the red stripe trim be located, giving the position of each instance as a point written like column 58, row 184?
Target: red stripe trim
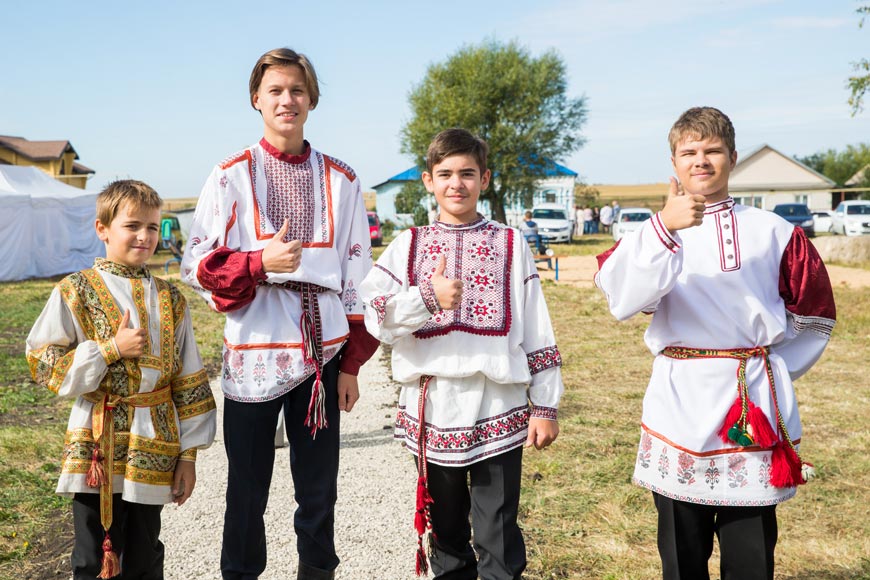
column 268, row 345
column 728, row 451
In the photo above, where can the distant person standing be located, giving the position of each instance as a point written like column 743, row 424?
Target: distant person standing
column 596, row 217
column 616, row 208
column 280, row 243
column 587, row 219
column 606, row 217
column 579, row 221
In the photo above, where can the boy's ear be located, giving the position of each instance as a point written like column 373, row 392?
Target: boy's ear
column 733, row 159
column 427, row 181
column 102, row 231
column 484, row 179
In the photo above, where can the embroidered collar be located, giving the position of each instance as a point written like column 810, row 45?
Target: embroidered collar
column 121, row 270
column 472, row 225
column 295, row 159
column 727, row 203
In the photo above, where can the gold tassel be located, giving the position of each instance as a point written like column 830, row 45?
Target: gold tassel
column 96, row 474
column 111, row 563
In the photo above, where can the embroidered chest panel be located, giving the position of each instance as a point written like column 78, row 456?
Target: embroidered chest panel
column 297, row 192
column 726, row 234
column 481, row 258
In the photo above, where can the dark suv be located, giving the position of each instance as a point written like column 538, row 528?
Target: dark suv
column 797, row 214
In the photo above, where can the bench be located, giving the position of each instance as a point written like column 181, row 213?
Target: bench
column 550, row 260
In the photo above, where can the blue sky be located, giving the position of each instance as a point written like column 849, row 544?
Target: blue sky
column 158, row 90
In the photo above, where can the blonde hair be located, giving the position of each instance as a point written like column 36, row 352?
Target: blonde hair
column 702, row 123
column 456, row 142
column 136, row 193
column 285, row 57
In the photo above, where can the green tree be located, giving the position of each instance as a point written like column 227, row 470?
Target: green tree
column 410, row 200
column 839, row 166
column 860, row 82
column 516, row 102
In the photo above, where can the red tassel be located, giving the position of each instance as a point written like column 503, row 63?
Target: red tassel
column 96, row 475
column 424, row 500
column 762, row 432
column 422, row 566
column 732, row 417
column 316, row 417
column 785, row 466
column 111, row 563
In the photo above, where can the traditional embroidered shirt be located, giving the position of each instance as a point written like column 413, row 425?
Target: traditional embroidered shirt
column 242, row 205
column 71, row 350
column 744, row 278
column 489, row 358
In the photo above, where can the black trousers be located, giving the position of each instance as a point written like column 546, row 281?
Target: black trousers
column 747, row 538
column 249, row 436
column 135, row 538
column 492, row 501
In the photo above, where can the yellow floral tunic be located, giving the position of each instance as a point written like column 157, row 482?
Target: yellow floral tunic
column 148, row 412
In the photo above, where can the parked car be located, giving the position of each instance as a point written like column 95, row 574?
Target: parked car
column 822, row 221
column 171, row 237
column 375, row 229
column 629, row 219
column 554, row 223
column 797, row 214
column 851, row 218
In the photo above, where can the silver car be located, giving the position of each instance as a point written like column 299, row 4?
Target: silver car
column 629, row 219
column 851, row 218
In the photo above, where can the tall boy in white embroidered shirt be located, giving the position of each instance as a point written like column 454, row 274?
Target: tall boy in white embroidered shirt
column 461, row 303
column 741, row 306
column 280, row 243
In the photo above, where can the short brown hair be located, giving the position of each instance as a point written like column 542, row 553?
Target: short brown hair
column 285, row 57
column 702, row 123
column 456, row 142
column 136, row 193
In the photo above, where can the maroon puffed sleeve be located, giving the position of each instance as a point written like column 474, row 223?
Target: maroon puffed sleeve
column 359, row 348
column 231, row 277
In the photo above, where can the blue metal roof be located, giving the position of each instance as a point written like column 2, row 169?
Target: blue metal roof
column 551, row 169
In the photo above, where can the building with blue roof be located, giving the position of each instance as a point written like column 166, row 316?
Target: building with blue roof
column 556, row 186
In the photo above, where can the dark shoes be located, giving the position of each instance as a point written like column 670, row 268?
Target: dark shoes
column 306, row 572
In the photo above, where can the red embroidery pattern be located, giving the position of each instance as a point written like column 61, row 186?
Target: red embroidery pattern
column 543, row 359
column 479, row 254
column 380, row 305
column 290, row 195
column 387, row 272
column 544, row 413
column 461, row 440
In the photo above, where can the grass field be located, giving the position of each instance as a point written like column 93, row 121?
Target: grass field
column 582, row 516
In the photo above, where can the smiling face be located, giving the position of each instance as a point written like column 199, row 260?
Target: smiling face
column 283, row 100
column 703, row 166
column 456, row 182
column 132, row 236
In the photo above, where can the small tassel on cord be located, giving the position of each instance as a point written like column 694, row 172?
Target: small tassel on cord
column 421, row 523
column 762, row 432
column 786, row 468
column 111, row 563
column 96, row 475
column 316, row 417
column 732, row 419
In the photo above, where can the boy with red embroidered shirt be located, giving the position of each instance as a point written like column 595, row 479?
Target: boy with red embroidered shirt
column 121, row 342
column 461, row 303
column 280, row 243
column 741, row 306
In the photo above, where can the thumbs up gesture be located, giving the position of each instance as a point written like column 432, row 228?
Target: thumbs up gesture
column 447, row 291
column 280, row 256
column 131, row 342
column 682, row 210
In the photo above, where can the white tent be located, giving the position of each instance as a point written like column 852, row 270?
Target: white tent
column 46, row 227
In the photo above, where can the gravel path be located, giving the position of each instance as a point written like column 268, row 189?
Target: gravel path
column 374, row 517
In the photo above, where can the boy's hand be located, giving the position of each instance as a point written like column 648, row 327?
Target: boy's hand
column 682, row 211
column 447, row 291
column 131, row 342
column 185, row 481
column 348, row 392
column 542, row 432
column 280, row 256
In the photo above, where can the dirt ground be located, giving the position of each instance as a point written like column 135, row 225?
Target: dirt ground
column 579, row 271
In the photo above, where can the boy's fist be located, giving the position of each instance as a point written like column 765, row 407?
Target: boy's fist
column 280, row 256
column 131, row 342
column 682, row 211
column 447, row 291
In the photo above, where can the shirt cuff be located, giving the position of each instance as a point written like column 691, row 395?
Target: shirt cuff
column 548, row 413
column 109, row 350
column 188, row 455
column 427, row 292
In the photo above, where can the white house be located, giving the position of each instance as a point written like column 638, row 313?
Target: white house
column 556, row 186
column 765, row 177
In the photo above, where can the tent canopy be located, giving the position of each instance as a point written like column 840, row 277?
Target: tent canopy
column 46, row 227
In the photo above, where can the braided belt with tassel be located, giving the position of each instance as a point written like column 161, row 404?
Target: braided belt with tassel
column 422, row 516
column 746, row 425
column 103, row 460
column 312, row 350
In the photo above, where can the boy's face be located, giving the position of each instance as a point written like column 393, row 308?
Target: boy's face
column 456, row 183
column 132, row 236
column 703, row 167
column 284, row 102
